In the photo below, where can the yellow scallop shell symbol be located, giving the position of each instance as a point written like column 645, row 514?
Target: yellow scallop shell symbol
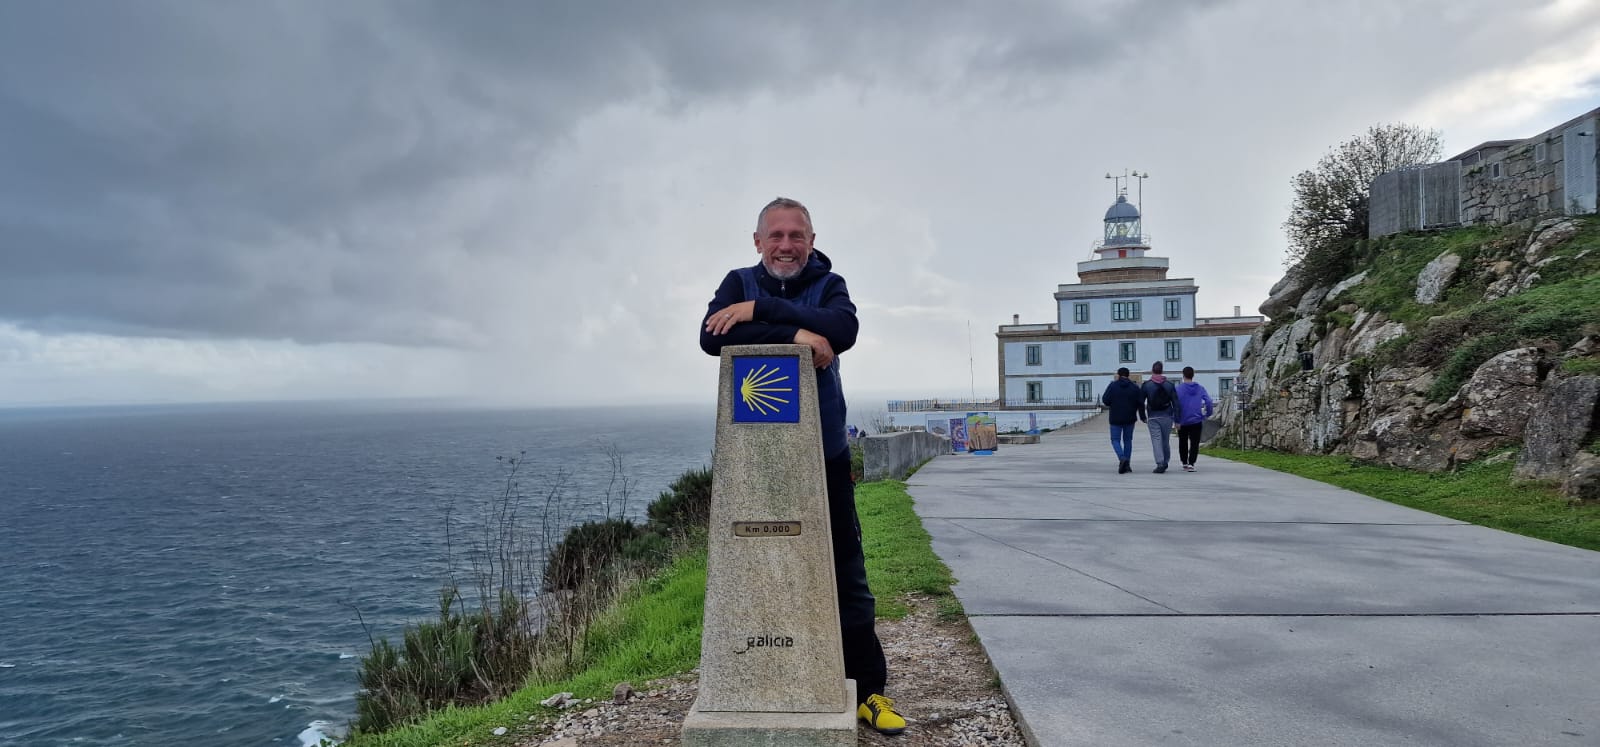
column 760, row 390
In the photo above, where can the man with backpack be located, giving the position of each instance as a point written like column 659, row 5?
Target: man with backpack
column 1161, row 411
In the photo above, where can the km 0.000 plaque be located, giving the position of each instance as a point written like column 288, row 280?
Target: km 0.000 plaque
column 766, row 529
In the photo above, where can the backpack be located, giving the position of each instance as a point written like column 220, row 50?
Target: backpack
column 1162, row 399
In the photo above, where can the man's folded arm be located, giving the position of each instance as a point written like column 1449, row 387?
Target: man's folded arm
column 835, row 319
column 749, row 333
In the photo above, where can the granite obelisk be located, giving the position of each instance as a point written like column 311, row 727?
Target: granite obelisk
column 771, row 663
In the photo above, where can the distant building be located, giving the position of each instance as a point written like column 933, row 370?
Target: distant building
column 1123, row 312
column 1500, row 181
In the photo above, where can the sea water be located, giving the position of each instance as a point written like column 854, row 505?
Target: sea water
column 194, row 574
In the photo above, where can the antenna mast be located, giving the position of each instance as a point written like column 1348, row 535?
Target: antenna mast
column 972, row 379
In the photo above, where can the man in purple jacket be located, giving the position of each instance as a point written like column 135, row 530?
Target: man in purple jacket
column 1194, row 406
column 793, row 296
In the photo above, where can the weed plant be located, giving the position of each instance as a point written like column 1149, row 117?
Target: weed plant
column 533, row 599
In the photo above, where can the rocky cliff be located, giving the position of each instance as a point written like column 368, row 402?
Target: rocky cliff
column 1446, row 347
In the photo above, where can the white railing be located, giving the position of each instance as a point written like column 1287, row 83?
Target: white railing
column 1142, row 241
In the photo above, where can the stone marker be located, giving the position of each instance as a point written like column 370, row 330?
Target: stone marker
column 771, row 662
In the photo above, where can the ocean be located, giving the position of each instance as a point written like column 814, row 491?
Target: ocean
column 193, row 574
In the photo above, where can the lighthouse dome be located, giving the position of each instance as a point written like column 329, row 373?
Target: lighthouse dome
column 1122, row 209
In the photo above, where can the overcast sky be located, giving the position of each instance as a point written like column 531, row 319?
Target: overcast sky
column 532, row 202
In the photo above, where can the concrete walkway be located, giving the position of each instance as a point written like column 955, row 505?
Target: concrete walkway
column 1241, row 606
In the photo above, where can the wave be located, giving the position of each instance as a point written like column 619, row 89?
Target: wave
column 316, row 731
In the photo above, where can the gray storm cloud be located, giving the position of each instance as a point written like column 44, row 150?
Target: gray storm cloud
column 301, row 170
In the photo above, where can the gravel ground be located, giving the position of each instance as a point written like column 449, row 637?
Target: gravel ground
column 938, row 676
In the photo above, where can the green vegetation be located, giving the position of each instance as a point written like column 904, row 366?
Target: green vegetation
column 1328, row 219
column 473, row 656
column 460, row 658
column 1581, row 366
column 900, row 555
column 593, row 546
column 685, row 505
column 1462, row 331
column 1481, row 493
column 653, row 629
column 1392, row 265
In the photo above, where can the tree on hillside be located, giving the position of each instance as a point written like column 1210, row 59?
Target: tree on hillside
column 1330, row 211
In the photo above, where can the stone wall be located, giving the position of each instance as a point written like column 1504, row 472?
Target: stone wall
column 1496, row 183
column 891, row 456
column 1522, row 182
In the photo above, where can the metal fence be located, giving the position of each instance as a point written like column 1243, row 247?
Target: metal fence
column 1415, row 198
column 958, row 405
column 935, row 405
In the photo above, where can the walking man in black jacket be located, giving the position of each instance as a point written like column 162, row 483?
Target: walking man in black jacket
column 1126, row 405
column 793, row 296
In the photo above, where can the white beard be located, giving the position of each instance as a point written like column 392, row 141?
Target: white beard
column 784, row 274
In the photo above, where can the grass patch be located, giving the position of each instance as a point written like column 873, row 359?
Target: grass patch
column 1457, row 335
column 1393, row 264
column 900, row 555
column 1581, row 367
column 1481, row 493
column 654, row 630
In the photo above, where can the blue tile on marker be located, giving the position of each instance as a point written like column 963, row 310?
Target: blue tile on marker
column 766, row 389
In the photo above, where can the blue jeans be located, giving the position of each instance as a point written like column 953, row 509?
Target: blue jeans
column 1122, row 441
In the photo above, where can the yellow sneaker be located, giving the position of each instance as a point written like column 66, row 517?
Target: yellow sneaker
column 879, row 714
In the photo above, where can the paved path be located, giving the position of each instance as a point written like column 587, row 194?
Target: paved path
column 1241, row 606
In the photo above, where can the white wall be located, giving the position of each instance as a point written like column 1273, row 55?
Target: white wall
column 1152, row 313
column 1104, row 355
column 1058, row 373
column 1061, row 388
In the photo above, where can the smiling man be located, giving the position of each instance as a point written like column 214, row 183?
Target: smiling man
column 793, row 296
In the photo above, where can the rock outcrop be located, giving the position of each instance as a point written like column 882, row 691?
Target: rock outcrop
column 1557, row 428
column 1283, row 295
column 1415, row 406
column 1436, row 277
column 1501, row 393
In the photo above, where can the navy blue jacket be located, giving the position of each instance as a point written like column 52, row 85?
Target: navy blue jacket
column 779, row 314
column 1124, row 400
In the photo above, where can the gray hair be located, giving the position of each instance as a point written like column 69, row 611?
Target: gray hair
column 784, row 203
